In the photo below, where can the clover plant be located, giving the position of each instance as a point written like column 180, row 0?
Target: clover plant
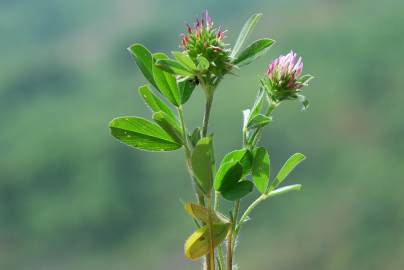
column 202, row 62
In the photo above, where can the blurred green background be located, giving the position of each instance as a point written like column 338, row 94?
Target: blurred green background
column 72, row 197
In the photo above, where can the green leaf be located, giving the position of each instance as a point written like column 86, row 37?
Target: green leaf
column 173, row 67
column 238, row 191
column 198, row 244
column 142, row 134
column 228, row 175
column 144, row 60
column 258, row 121
column 261, row 169
column 201, row 213
column 186, row 89
column 154, row 102
column 287, row 168
column 242, row 156
column 170, row 126
column 184, row 59
column 203, row 63
column 202, row 162
column 166, row 82
column 234, row 166
column 283, row 190
column 252, row 52
column 245, row 31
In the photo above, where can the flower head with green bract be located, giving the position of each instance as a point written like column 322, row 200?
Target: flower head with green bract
column 204, row 40
column 284, row 80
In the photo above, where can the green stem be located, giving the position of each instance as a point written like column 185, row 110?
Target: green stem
column 212, row 248
column 206, row 116
column 244, row 217
column 221, row 257
column 258, row 131
column 232, row 236
column 229, row 253
column 221, row 260
column 210, row 258
column 236, row 212
column 236, row 227
column 205, row 125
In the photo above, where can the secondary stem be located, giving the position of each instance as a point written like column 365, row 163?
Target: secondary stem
column 232, row 236
column 236, row 212
column 206, row 116
column 236, row 226
column 257, row 133
column 244, row 217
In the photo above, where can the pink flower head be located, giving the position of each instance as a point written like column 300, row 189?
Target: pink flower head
column 203, row 39
column 202, row 29
column 285, row 70
column 284, row 80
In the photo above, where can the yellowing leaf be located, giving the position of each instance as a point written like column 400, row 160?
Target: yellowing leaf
column 198, row 244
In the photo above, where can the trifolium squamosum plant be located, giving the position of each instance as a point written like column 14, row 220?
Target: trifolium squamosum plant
column 202, row 61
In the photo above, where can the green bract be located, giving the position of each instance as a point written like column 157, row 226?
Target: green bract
column 202, row 63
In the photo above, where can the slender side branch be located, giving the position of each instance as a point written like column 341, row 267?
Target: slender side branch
column 258, row 132
column 235, row 229
column 236, row 213
column 232, row 236
column 244, row 217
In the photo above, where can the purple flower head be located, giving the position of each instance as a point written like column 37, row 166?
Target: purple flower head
column 202, row 31
column 285, row 70
column 284, row 77
column 203, row 39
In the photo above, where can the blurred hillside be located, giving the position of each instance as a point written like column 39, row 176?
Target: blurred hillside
column 72, row 197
